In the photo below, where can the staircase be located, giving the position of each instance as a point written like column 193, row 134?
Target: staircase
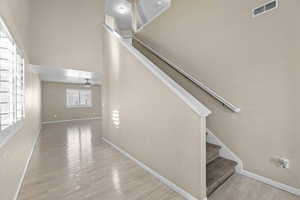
column 218, row 169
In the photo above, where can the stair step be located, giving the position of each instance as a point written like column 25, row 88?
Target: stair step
column 217, row 172
column 212, row 152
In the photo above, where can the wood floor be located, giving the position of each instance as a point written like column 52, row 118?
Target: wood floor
column 71, row 162
column 239, row 187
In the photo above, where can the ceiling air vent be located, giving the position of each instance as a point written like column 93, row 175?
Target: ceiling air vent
column 265, row 8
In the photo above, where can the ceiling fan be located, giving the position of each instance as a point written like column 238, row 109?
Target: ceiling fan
column 87, row 83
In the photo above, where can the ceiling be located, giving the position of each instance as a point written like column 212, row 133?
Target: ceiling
column 149, row 9
column 57, row 74
column 118, row 13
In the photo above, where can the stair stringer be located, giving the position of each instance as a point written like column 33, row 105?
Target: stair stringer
column 225, row 152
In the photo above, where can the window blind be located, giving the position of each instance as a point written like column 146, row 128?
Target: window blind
column 11, row 80
column 79, row 98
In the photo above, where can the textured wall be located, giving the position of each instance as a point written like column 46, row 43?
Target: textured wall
column 14, row 154
column 253, row 62
column 146, row 119
column 67, row 33
column 54, row 103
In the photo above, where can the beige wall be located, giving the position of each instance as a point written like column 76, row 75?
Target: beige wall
column 146, row 119
column 54, row 103
column 16, row 16
column 14, row 154
column 67, row 33
column 253, row 62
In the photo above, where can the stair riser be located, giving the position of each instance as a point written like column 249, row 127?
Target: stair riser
column 218, row 169
column 212, row 153
column 220, row 182
column 212, row 158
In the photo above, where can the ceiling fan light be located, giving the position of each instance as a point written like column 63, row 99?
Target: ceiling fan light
column 87, row 84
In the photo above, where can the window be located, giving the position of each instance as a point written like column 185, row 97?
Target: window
column 79, row 98
column 11, row 80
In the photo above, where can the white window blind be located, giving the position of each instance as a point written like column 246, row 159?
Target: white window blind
column 79, row 98
column 11, row 80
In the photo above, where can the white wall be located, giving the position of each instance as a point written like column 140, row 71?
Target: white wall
column 67, row 33
column 14, row 154
column 253, row 62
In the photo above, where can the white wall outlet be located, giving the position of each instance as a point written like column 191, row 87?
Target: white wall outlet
column 284, row 163
column 54, row 116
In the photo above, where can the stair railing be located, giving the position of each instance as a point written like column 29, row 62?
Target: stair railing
column 201, row 85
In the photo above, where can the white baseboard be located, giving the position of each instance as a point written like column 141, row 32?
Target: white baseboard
column 70, row 120
column 271, row 182
column 164, row 180
column 225, row 152
column 26, row 166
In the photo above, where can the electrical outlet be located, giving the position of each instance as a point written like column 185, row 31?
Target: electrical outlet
column 280, row 162
column 54, row 116
column 284, row 163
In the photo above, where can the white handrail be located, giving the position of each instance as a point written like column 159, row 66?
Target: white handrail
column 194, row 80
column 184, row 95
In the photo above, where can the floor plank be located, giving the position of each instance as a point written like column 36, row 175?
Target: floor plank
column 240, row 187
column 71, row 162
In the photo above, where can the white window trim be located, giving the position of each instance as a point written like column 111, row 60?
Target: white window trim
column 79, row 106
column 13, row 129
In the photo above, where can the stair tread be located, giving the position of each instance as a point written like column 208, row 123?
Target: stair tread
column 212, row 152
column 217, row 172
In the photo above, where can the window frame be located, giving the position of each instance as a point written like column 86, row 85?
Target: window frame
column 79, row 105
column 15, row 92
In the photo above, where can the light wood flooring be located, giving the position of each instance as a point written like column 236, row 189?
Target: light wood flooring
column 71, row 162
